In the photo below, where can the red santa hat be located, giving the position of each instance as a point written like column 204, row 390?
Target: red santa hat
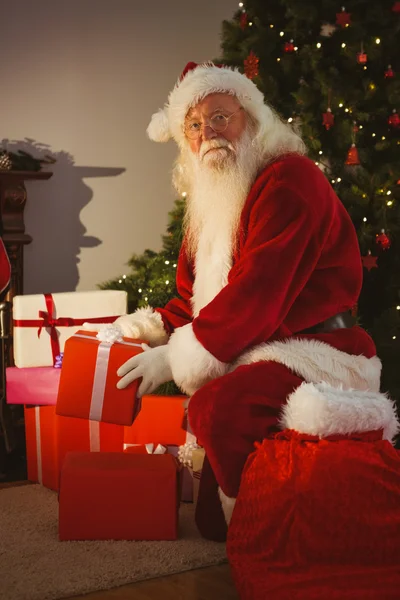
column 197, row 82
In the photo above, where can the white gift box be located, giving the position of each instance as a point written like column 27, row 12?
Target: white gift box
column 43, row 322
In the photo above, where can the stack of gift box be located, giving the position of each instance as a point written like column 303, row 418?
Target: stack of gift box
column 110, row 455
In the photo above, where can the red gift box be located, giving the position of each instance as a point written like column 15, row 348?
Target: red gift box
column 88, row 383
column 118, row 496
column 82, row 435
column 41, row 445
column 160, row 421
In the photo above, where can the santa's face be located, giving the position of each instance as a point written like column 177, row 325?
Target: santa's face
column 213, row 128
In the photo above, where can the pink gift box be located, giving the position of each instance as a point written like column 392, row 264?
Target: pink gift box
column 37, row 386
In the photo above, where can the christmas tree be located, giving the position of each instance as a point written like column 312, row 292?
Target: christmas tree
column 333, row 72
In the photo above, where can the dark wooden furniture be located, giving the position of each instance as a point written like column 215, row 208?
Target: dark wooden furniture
column 13, row 198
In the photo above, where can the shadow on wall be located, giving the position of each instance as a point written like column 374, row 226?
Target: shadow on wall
column 52, row 218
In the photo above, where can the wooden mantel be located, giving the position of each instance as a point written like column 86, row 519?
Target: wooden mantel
column 13, row 198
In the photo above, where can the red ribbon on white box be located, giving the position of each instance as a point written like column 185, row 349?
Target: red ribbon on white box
column 100, row 373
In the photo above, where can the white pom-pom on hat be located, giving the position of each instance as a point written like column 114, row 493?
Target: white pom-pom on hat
column 158, row 129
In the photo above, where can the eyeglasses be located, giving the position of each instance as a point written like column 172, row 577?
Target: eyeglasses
column 218, row 123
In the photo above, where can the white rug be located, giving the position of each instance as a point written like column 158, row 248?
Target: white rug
column 34, row 565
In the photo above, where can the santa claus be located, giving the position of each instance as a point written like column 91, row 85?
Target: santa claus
column 268, row 273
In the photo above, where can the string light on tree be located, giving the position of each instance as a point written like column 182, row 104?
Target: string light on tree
column 377, row 41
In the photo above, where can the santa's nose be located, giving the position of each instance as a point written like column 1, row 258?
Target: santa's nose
column 208, row 133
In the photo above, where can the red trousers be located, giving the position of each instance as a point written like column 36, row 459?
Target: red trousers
column 229, row 415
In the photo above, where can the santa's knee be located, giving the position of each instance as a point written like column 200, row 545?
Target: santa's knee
column 211, row 408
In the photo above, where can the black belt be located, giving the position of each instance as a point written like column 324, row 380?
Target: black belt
column 342, row 320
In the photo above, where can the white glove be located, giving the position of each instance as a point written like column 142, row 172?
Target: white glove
column 124, row 323
column 152, row 365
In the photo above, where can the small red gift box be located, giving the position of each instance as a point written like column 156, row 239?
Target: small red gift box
column 118, row 496
column 37, row 386
column 160, row 420
column 88, row 383
column 41, row 445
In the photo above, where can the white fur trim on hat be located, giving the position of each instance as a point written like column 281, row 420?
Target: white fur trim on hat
column 198, row 83
column 323, row 410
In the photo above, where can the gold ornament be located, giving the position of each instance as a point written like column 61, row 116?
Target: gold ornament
column 5, row 162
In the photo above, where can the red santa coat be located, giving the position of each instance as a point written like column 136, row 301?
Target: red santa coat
column 297, row 263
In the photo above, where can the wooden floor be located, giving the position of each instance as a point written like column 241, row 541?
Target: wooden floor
column 211, row 583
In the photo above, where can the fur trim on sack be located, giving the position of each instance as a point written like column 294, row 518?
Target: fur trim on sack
column 191, row 364
column 323, row 410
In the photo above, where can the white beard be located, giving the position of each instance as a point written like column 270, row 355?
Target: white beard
column 220, row 183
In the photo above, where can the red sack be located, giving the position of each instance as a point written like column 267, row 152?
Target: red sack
column 319, row 517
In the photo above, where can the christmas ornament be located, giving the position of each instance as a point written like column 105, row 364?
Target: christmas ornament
column 352, row 156
column 289, row 47
column 327, row 30
column 389, row 73
column 343, row 18
column 362, row 58
column 394, row 119
column 251, row 65
column 383, row 240
column 328, row 119
column 243, row 20
column 369, row 261
column 396, row 7
column 5, row 162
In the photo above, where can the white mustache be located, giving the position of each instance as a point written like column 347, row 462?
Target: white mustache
column 214, row 145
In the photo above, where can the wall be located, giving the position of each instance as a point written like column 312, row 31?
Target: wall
column 80, row 81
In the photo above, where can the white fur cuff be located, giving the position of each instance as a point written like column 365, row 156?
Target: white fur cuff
column 191, row 364
column 228, row 504
column 145, row 324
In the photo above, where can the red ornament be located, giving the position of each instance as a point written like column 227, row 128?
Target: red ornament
column 394, row 119
column 289, row 46
column 352, row 156
column 243, row 20
column 343, row 18
column 389, row 73
column 369, row 261
column 251, row 65
column 396, row 7
column 362, row 58
column 355, row 127
column 328, row 119
column 383, row 241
